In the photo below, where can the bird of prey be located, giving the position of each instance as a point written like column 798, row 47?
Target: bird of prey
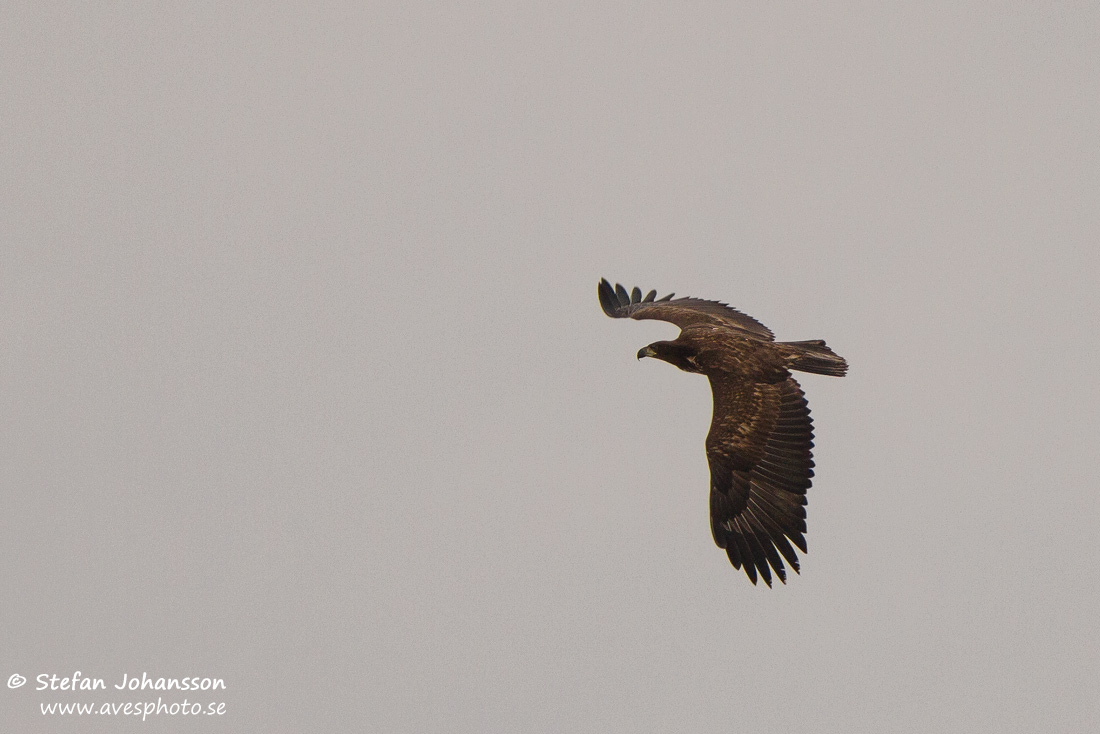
column 761, row 435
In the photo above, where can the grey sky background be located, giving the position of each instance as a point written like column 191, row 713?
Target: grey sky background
column 306, row 386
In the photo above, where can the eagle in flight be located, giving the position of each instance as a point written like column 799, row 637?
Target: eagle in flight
column 761, row 435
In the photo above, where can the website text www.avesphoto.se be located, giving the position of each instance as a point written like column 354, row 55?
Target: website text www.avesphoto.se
column 144, row 709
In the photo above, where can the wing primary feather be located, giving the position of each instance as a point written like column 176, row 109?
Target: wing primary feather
column 667, row 298
column 787, row 551
column 764, row 537
column 776, row 532
column 799, row 540
column 608, row 301
column 636, row 295
column 756, row 553
column 733, row 555
column 743, row 551
column 649, row 296
column 624, row 297
column 760, row 546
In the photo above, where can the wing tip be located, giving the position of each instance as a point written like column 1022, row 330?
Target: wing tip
column 759, row 548
column 615, row 298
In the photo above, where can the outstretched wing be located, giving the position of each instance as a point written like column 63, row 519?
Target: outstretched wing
column 618, row 303
column 759, row 450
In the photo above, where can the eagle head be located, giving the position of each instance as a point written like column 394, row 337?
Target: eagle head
column 681, row 355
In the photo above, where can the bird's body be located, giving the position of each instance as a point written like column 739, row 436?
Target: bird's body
column 761, row 436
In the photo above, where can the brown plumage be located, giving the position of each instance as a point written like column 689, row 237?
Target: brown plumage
column 761, row 436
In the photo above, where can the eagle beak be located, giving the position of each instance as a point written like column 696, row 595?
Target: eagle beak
column 647, row 352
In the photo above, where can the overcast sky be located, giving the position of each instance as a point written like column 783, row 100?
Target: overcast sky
column 306, row 386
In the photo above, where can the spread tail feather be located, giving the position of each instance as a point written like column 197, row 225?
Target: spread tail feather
column 813, row 356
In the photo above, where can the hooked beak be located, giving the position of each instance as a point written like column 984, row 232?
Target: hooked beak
column 647, row 352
